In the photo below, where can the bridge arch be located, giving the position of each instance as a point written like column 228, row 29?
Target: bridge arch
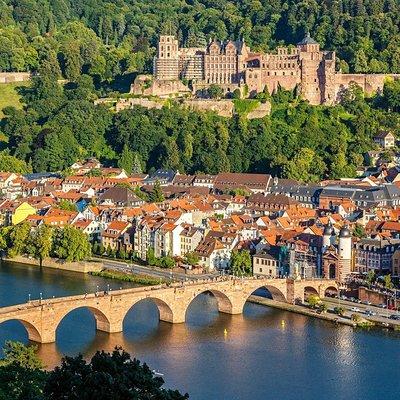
column 224, row 303
column 165, row 311
column 331, row 290
column 103, row 322
column 310, row 291
column 275, row 292
column 33, row 332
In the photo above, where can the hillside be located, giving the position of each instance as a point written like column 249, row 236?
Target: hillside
column 115, row 37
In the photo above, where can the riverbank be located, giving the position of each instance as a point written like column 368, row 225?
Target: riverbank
column 81, row 266
column 120, row 276
column 301, row 310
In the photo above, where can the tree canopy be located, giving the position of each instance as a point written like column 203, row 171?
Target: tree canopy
column 106, row 376
column 105, row 38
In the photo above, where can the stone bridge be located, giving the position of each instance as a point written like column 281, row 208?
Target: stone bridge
column 42, row 317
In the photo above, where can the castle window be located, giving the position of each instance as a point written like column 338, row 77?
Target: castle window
column 283, row 72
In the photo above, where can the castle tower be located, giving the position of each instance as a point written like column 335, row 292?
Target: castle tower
column 166, row 62
column 312, row 74
column 345, row 251
column 328, row 237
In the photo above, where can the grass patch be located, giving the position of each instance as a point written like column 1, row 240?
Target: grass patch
column 245, row 106
column 9, row 95
column 120, row 276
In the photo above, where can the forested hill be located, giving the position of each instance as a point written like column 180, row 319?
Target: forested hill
column 365, row 33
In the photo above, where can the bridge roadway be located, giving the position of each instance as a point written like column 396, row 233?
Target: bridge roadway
column 42, row 317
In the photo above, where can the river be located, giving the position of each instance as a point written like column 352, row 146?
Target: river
column 256, row 358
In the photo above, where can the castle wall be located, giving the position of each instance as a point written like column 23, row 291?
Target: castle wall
column 257, row 79
column 9, row 77
column 370, row 83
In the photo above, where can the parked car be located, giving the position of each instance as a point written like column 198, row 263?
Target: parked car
column 395, row 317
column 370, row 313
column 355, row 309
column 382, row 305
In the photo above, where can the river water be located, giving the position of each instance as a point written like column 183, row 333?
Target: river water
column 256, row 358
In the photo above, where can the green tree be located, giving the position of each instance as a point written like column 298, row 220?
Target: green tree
column 370, row 278
column 359, row 231
column 121, row 379
column 339, row 311
column 156, row 195
column 127, row 160
column 137, row 164
column 18, row 239
column 150, row 257
column 237, row 94
column 388, row 282
column 42, row 241
column 167, row 262
column 21, row 373
column 18, row 353
column 67, row 205
column 323, row 308
column 215, row 91
column 192, row 258
column 240, row 262
column 12, row 164
column 306, row 166
column 313, row 301
column 71, row 244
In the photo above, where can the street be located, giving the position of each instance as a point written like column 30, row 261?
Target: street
column 381, row 316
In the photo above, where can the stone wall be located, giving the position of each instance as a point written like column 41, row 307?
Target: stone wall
column 370, row 83
column 375, row 298
column 124, row 104
column 224, row 108
column 145, row 85
column 261, row 111
column 9, row 77
column 82, row 267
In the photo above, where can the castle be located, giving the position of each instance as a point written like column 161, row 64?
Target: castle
column 232, row 65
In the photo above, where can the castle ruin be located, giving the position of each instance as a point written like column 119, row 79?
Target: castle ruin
column 232, row 65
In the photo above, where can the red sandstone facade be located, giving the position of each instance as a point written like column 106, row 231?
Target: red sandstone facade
column 233, row 65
